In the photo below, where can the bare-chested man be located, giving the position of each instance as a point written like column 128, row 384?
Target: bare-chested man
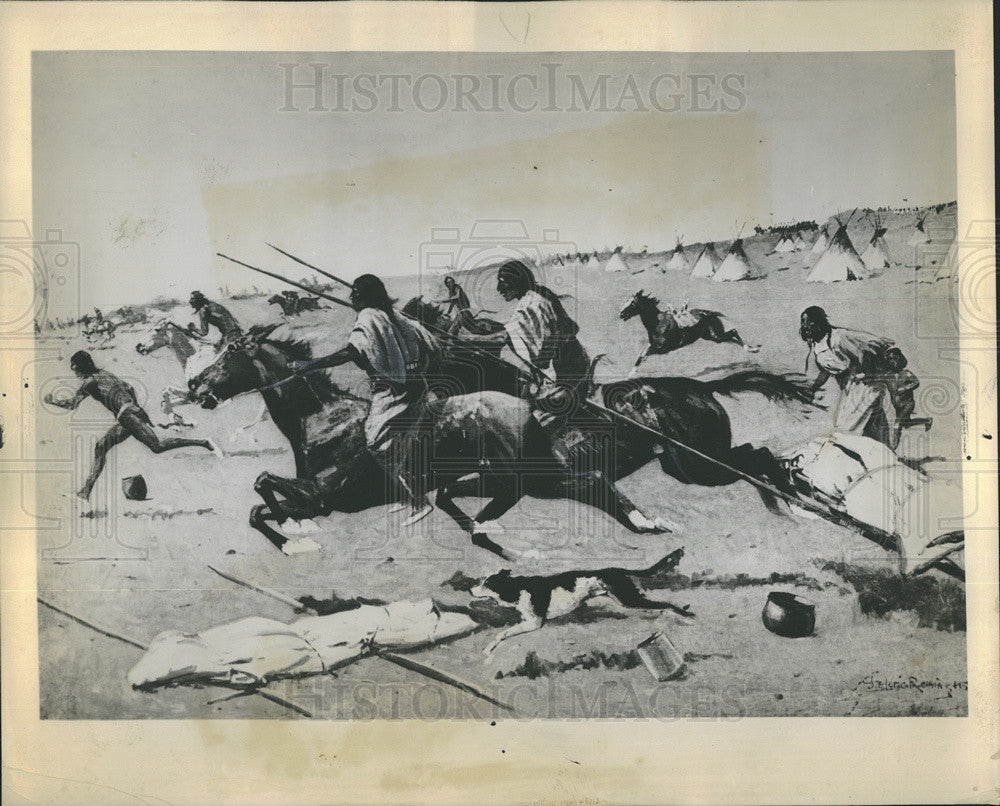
column 119, row 398
column 212, row 313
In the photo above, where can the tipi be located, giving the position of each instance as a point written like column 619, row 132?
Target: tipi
column 919, row 236
column 616, row 262
column 821, row 243
column 784, row 244
column 677, row 260
column 706, row 263
column 798, row 241
column 876, row 255
column 736, row 265
column 840, row 261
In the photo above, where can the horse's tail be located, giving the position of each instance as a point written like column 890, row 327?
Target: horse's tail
column 783, row 387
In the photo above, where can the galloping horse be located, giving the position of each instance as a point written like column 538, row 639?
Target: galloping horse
column 671, row 330
column 433, row 317
column 194, row 355
column 489, row 433
column 292, row 304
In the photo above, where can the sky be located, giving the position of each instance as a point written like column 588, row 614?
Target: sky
column 153, row 162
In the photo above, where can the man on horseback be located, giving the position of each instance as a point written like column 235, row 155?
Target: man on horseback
column 212, row 313
column 119, row 398
column 457, row 301
column 397, row 354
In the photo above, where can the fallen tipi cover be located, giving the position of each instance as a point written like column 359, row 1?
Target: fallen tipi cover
column 706, row 263
column 736, row 265
column 840, row 261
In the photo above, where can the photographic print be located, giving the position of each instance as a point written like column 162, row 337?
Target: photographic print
column 498, row 403
column 611, row 386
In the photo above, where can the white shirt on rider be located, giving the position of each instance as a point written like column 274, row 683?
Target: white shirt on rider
column 394, row 349
column 533, row 330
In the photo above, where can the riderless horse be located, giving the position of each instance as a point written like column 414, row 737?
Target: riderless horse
column 671, row 330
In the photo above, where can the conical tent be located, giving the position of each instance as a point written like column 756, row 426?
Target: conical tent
column 876, row 255
column 706, row 263
column 919, row 236
column 736, row 265
column 798, row 240
column 616, row 263
column 821, row 243
column 784, row 245
column 839, row 262
column 677, row 260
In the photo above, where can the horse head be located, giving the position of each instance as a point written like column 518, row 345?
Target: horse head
column 163, row 334
column 275, row 299
column 639, row 302
column 248, row 363
column 424, row 312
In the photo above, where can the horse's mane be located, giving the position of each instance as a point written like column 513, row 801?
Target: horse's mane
column 642, row 296
column 320, row 382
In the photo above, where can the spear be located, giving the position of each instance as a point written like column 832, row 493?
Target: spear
column 286, row 280
column 311, row 266
column 612, row 413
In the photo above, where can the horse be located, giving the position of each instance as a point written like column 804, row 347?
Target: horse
column 194, row 355
column 489, row 434
column 432, row 317
column 293, row 305
column 671, row 330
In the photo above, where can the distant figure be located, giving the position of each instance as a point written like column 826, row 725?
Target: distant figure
column 212, row 313
column 119, row 398
column 458, row 301
column 900, row 383
column 856, row 360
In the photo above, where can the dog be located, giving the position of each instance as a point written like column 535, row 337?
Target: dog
column 540, row 598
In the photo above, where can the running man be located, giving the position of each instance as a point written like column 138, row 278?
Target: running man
column 212, row 313
column 119, row 398
column 397, row 354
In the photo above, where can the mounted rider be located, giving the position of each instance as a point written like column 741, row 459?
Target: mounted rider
column 544, row 337
column 397, row 354
column 213, row 314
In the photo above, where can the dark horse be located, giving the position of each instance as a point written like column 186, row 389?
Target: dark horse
column 292, row 304
column 669, row 331
column 431, row 316
column 488, row 434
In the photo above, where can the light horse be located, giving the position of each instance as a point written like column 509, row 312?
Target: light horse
column 490, row 434
column 194, row 355
column 671, row 330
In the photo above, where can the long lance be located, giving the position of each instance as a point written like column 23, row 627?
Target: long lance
column 613, row 414
column 300, row 261
column 286, row 280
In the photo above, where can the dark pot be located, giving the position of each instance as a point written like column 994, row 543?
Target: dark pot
column 134, row 488
column 789, row 615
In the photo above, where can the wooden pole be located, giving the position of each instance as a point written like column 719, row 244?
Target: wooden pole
column 288, row 600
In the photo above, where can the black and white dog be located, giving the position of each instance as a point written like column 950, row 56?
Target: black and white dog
column 540, row 598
